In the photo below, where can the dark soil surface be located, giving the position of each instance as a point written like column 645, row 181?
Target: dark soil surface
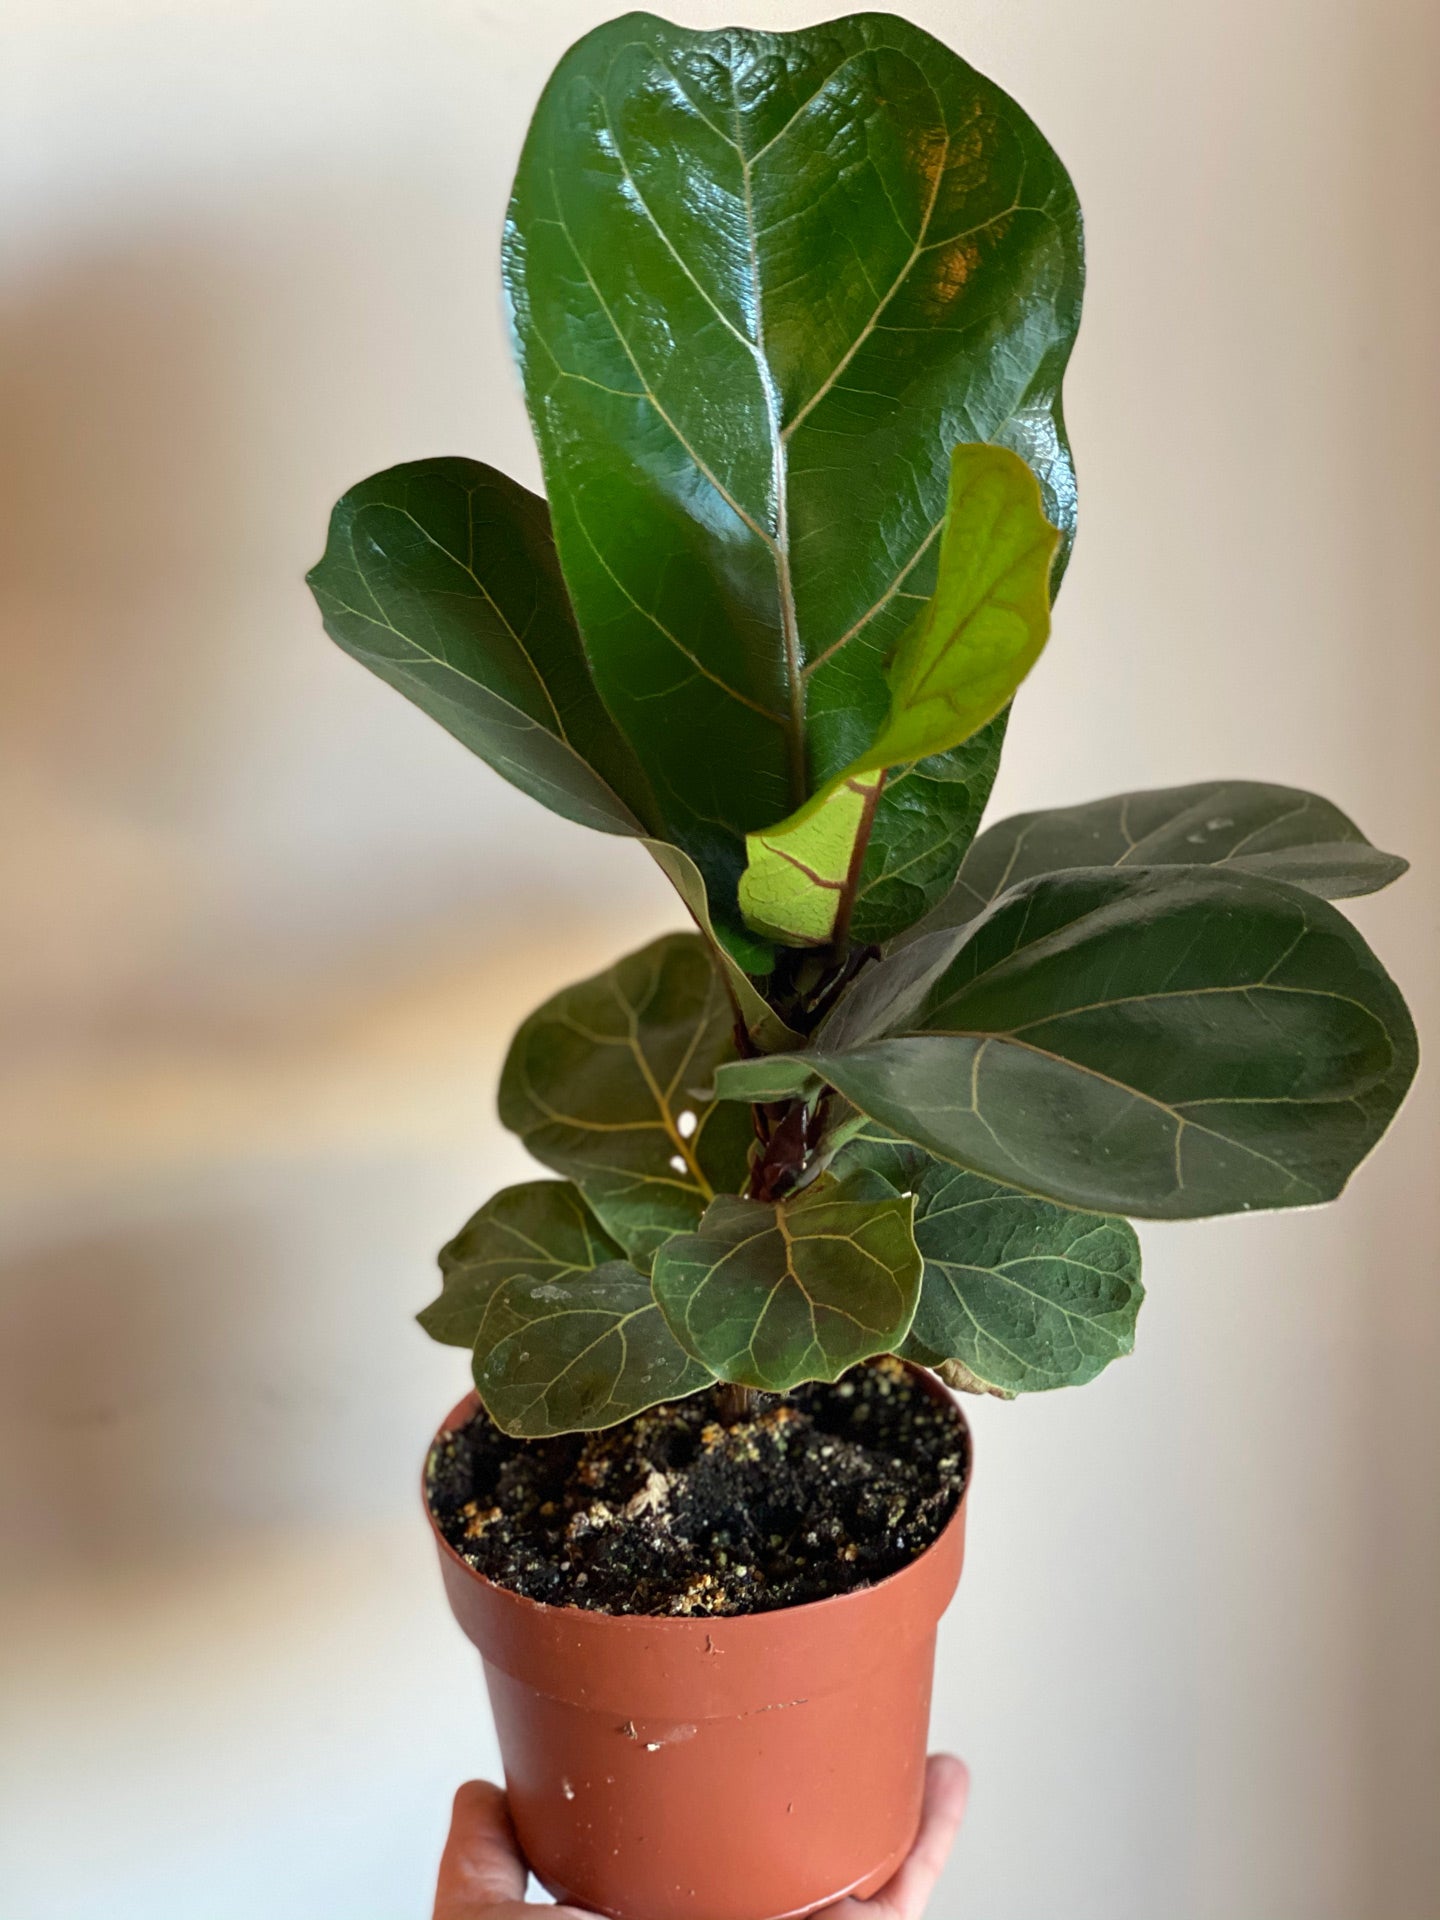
column 825, row 1490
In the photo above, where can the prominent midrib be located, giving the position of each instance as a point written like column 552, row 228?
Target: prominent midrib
column 780, row 471
column 777, row 540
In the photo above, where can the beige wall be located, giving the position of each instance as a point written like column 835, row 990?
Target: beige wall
column 268, row 932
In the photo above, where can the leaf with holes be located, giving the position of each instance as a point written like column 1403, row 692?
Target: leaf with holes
column 1246, row 826
column 605, row 1085
column 770, row 1296
column 1021, row 1295
column 761, row 285
column 540, row 1231
column 1170, row 1042
column 570, row 1356
column 954, row 671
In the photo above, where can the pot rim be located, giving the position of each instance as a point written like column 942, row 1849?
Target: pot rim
column 731, row 1623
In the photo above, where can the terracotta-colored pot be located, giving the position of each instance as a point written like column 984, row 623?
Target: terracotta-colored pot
column 747, row 1768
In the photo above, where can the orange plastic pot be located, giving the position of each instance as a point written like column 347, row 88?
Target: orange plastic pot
column 748, row 1768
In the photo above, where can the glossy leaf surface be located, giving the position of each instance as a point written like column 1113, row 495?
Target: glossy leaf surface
column 926, row 819
column 1247, row 826
column 762, row 285
column 770, row 1296
column 1160, row 1042
column 602, row 1085
column 541, row 1231
column 1022, row 1295
column 441, row 577
column 569, row 1356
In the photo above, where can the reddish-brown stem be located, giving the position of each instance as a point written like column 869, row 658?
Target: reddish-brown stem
column 840, row 939
column 782, row 1159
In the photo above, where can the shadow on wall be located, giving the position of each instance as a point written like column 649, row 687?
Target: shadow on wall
column 228, row 794
column 245, row 1362
column 276, row 926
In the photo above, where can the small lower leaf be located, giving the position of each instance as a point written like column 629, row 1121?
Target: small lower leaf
column 604, row 1084
column 772, row 1296
column 776, row 1076
column 1018, row 1295
column 575, row 1355
column 541, row 1230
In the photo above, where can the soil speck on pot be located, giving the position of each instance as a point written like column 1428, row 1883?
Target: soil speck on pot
column 675, row 1513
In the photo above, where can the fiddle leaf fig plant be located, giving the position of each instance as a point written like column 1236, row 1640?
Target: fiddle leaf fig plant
column 792, row 313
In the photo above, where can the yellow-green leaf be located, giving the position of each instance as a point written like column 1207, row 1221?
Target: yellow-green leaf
column 797, row 874
column 605, row 1085
column 988, row 618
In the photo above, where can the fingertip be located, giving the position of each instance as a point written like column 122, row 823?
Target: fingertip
column 476, row 1797
column 481, row 1864
column 947, row 1792
column 948, row 1778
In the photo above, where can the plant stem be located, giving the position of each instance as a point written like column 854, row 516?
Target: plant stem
column 737, row 1403
column 840, row 939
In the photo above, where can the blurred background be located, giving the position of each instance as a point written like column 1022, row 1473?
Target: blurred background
column 268, row 931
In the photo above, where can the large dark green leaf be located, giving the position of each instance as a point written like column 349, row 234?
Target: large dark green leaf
column 770, row 1296
column 888, row 992
column 540, row 1231
column 762, row 285
column 441, row 577
column 1168, row 1042
column 1019, row 1295
column 603, row 1083
column 1246, row 825
column 568, row 1356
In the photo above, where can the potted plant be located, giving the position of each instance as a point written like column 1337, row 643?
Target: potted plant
column 792, row 312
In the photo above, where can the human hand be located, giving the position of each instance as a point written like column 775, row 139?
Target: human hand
column 482, row 1870
column 483, row 1874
